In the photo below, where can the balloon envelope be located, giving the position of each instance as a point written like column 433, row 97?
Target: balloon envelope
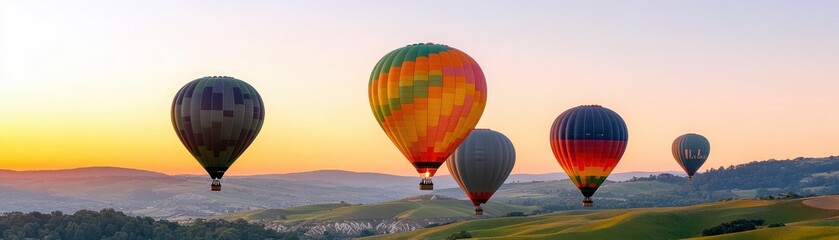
column 482, row 163
column 427, row 98
column 690, row 151
column 217, row 118
column 588, row 142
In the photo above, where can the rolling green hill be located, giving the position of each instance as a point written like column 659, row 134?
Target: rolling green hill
column 538, row 190
column 784, row 233
column 802, row 220
column 411, row 208
column 352, row 220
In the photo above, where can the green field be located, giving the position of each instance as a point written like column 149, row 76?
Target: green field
column 413, row 208
column 802, row 221
column 784, row 233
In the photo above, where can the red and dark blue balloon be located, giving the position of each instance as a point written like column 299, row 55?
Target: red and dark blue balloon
column 588, row 141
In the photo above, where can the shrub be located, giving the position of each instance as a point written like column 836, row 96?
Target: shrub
column 366, row 233
column 738, row 225
column 515, row 214
column 459, row 235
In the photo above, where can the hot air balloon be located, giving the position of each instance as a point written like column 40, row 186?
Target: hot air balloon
column 691, row 150
column 481, row 164
column 427, row 98
column 588, row 141
column 217, row 118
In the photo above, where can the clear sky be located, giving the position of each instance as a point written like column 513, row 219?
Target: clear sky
column 90, row 83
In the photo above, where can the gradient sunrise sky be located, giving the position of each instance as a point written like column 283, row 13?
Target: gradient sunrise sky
column 90, row 83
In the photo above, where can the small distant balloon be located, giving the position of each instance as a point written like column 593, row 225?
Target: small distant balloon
column 690, row 151
column 427, row 98
column 481, row 165
column 588, row 142
column 217, row 118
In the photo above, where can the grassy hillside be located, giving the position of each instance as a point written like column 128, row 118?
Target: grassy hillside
column 563, row 195
column 412, row 208
column 648, row 223
column 519, row 193
column 784, row 233
column 548, row 189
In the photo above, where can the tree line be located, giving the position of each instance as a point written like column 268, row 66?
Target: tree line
column 113, row 225
column 738, row 225
column 801, row 175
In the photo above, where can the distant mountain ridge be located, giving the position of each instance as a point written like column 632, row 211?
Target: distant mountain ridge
column 321, row 175
column 350, row 178
column 555, row 176
column 339, row 177
column 80, row 173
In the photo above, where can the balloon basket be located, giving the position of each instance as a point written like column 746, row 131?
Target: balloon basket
column 587, row 202
column 215, row 186
column 426, row 186
column 479, row 211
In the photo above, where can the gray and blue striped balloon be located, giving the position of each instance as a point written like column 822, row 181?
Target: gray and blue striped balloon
column 482, row 163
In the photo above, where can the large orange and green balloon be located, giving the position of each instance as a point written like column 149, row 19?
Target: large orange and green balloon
column 690, row 151
column 217, row 118
column 427, row 98
column 481, row 165
column 588, row 142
